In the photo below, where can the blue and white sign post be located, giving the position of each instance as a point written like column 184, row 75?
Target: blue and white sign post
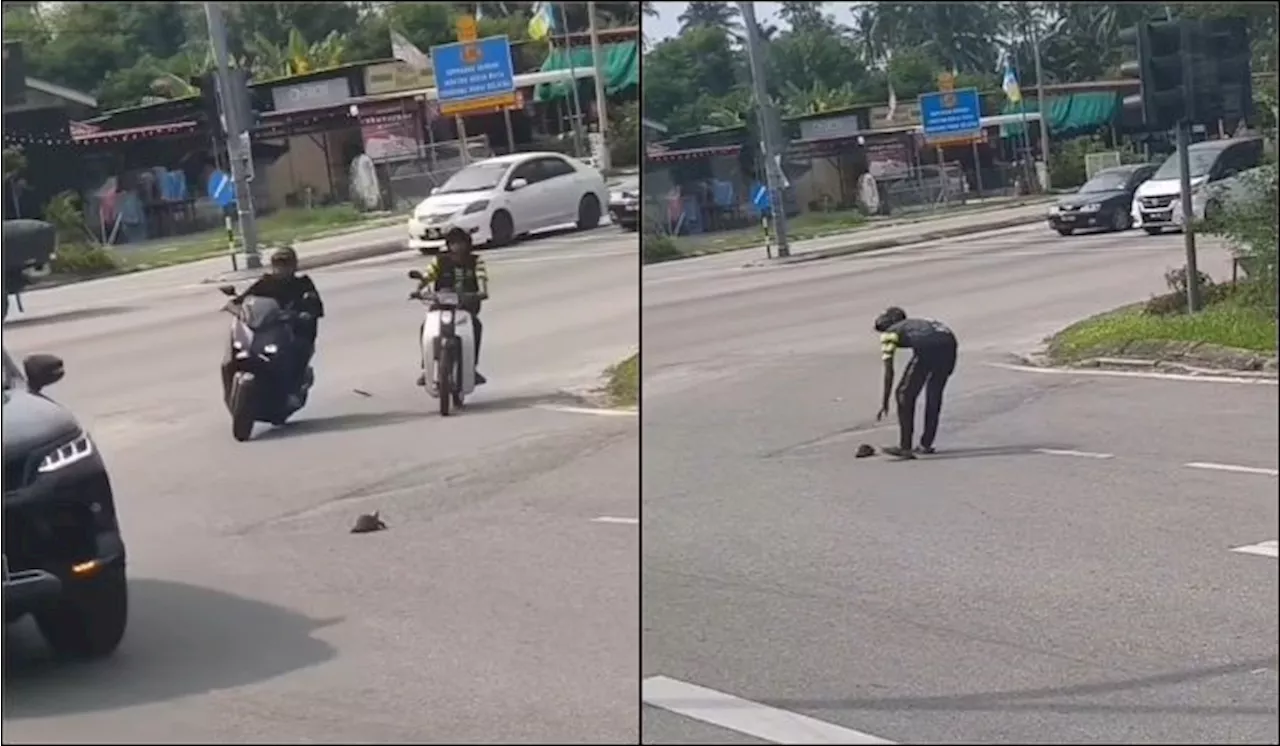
column 474, row 75
column 951, row 115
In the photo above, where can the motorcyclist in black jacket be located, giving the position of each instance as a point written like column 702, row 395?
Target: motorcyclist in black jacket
column 296, row 293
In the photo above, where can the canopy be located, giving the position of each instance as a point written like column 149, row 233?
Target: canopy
column 1072, row 114
column 620, row 63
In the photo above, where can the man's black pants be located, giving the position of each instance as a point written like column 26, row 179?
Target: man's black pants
column 928, row 371
column 305, row 341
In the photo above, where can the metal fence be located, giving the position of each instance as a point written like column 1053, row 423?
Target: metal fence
column 406, row 181
column 833, row 183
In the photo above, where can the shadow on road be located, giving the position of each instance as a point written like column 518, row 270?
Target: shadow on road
column 77, row 315
column 510, row 403
column 182, row 640
column 1007, row 450
column 1027, row 700
column 352, row 421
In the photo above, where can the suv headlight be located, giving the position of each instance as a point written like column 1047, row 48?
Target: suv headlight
column 76, row 449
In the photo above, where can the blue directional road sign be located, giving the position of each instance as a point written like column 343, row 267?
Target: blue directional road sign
column 951, row 115
column 473, row 75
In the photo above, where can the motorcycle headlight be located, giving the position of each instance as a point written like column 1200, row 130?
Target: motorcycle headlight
column 475, row 207
column 76, row 449
column 270, row 349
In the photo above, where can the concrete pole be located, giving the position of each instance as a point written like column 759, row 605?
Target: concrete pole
column 1188, row 219
column 1044, row 104
column 239, row 155
column 602, row 116
column 773, row 174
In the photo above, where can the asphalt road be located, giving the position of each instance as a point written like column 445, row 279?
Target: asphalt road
column 1061, row 572
column 497, row 608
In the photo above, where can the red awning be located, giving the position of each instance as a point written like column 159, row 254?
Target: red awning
column 693, row 154
column 151, row 132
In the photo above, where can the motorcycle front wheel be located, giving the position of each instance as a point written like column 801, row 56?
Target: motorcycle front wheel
column 444, row 378
column 242, row 407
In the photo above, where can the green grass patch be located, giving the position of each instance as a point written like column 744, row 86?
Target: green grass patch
column 1228, row 323
column 283, row 226
column 623, row 382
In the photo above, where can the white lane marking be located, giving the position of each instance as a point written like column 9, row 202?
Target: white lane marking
column 589, row 410
column 743, row 716
column 1078, row 454
column 1233, row 467
column 613, row 519
column 1133, row 374
column 1262, row 549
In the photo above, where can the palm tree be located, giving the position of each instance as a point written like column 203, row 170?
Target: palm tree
column 957, row 36
column 715, row 15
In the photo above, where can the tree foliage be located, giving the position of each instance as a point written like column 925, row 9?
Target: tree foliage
column 126, row 53
column 815, row 64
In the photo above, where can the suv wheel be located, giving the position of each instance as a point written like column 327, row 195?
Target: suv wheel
column 90, row 619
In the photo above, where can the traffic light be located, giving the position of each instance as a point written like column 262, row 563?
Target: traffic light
column 1161, row 64
column 1220, row 67
column 211, row 97
column 207, row 84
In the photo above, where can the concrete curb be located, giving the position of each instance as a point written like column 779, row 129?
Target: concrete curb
column 323, row 259
column 1037, row 360
column 890, row 243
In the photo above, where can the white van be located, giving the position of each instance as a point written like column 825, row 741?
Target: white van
column 1210, row 161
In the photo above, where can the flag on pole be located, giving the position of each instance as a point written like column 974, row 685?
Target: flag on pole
column 405, row 51
column 543, row 22
column 893, row 103
column 1010, row 84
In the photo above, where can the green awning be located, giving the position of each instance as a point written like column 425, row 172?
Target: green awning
column 620, row 60
column 1072, row 114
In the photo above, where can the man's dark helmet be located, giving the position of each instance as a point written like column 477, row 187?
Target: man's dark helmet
column 891, row 316
column 457, row 236
column 284, row 256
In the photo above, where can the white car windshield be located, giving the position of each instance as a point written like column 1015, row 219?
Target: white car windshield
column 1201, row 161
column 478, row 177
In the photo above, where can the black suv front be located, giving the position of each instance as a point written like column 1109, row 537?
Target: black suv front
column 63, row 555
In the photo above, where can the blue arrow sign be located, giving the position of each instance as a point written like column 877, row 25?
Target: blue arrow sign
column 760, row 197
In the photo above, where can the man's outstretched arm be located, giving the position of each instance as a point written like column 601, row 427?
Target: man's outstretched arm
column 888, row 346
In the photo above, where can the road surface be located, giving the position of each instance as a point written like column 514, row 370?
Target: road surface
column 497, row 608
column 1061, row 572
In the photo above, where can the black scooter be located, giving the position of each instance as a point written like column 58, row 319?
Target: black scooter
column 255, row 370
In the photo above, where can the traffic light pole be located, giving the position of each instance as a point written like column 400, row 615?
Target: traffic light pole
column 236, row 137
column 772, row 171
column 1188, row 218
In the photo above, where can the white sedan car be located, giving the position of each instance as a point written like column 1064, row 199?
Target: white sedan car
column 498, row 199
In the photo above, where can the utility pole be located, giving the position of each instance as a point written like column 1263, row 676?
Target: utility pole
column 1044, row 104
column 772, row 169
column 1188, row 219
column 237, row 138
column 573, row 83
column 602, row 117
